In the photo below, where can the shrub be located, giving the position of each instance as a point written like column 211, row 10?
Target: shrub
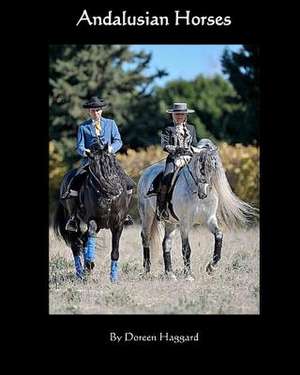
column 241, row 164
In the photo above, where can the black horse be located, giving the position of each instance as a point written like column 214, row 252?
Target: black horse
column 104, row 203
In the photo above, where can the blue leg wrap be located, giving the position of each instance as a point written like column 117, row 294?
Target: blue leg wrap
column 78, row 266
column 89, row 250
column 114, row 271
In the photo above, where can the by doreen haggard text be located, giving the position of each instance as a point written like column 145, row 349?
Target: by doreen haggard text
column 127, row 337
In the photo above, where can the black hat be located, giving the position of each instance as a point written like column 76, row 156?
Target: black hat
column 180, row 108
column 94, row 102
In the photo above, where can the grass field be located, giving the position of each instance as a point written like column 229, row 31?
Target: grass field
column 232, row 289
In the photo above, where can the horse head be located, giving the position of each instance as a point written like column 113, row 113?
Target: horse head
column 205, row 164
column 97, row 148
column 103, row 172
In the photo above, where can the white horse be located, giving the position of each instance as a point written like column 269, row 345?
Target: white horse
column 201, row 194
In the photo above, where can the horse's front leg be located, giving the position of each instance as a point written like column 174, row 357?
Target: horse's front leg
column 116, row 234
column 146, row 251
column 186, row 253
column 90, row 246
column 167, row 247
column 77, row 246
column 214, row 228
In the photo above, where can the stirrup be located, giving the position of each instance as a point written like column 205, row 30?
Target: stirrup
column 128, row 220
column 69, row 194
column 73, row 193
column 71, row 225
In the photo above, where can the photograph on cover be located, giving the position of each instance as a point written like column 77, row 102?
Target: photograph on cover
column 154, row 179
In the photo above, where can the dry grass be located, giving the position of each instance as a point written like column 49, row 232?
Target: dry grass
column 233, row 289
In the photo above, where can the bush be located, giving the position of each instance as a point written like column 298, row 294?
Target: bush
column 241, row 164
column 57, row 169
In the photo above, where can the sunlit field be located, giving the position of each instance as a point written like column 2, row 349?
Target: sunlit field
column 232, row 289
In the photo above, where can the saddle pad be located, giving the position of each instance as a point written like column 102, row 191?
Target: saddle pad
column 155, row 185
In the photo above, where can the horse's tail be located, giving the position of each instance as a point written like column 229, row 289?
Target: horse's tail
column 232, row 211
column 156, row 237
column 59, row 222
column 146, row 206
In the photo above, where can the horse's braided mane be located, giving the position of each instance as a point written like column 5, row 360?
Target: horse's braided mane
column 111, row 181
column 208, row 162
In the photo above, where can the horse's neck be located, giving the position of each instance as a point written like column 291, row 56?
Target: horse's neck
column 188, row 176
column 94, row 171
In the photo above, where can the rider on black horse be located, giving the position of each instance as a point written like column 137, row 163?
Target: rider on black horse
column 108, row 134
column 178, row 139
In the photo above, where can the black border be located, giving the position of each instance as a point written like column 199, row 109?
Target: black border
column 224, row 330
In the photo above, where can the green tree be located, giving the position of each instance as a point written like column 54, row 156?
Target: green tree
column 77, row 72
column 243, row 72
column 114, row 72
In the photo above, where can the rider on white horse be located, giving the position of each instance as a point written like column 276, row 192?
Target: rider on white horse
column 179, row 140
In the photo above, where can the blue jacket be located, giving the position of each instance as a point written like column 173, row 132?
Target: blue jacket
column 109, row 135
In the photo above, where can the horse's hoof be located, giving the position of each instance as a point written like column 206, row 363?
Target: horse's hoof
column 145, row 275
column 80, row 275
column 171, row 276
column 189, row 278
column 210, row 268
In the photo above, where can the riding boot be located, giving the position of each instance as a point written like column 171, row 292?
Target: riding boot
column 71, row 204
column 162, row 212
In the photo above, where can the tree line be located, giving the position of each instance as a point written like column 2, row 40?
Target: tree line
column 226, row 109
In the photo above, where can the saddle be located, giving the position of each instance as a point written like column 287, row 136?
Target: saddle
column 74, row 179
column 156, row 183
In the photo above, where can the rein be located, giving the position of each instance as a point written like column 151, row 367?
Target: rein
column 188, row 167
column 93, row 174
column 96, row 178
column 149, row 165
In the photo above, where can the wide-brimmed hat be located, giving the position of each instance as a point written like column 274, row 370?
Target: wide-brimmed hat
column 95, row 102
column 180, row 108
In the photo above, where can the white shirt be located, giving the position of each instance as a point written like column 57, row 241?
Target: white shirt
column 180, row 128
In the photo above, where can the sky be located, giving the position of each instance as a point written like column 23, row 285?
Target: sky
column 185, row 61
